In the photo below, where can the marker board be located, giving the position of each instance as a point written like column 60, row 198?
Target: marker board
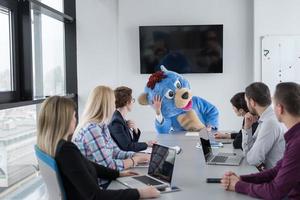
column 280, row 60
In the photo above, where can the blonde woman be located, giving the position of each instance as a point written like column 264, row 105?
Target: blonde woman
column 56, row 124
column 93, row 138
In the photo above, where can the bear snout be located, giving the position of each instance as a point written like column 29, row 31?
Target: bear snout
column 185, row 95
column 182, row 97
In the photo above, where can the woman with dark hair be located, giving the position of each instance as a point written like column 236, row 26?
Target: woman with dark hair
column 124, row 132
column 240, row 108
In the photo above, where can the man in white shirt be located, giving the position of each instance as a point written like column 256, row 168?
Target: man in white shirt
column 266, row 146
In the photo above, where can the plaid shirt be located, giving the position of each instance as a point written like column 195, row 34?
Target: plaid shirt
column 95, row 143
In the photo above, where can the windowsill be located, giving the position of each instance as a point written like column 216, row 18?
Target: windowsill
column 29, row 102
column 20, row 103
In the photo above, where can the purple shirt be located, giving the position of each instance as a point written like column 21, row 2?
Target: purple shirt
column 282, row 180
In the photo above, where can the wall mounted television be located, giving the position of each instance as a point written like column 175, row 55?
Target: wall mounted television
column 181, row 48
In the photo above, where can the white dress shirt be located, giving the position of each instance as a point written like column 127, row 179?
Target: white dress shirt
column 267, row 144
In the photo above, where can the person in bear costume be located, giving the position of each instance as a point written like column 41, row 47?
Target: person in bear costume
column 176, row 108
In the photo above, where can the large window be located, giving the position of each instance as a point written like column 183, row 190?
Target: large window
column 48, row 55
column 37, row 50
column 37, row 59
column 5, row 50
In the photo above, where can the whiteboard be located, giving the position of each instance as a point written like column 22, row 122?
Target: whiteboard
column 280, row 60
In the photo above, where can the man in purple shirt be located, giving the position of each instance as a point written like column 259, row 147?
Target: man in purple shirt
column 284, row 179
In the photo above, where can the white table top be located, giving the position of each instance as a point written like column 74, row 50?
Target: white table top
column 190, row 171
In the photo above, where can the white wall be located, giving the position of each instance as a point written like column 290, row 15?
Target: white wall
column 96, row 45
column 108, row 52
column 273, row 17
column 236, row 15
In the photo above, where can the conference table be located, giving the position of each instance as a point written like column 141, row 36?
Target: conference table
column 191, row 171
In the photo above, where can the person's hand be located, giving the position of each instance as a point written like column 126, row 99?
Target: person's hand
column 229, row 180
column 249, row 120
column 231, row 173
column 220, row 135
column 131, row 124
column 148, row 192
column 128, row 173
column 225, row 181
column 233, row 181
column 151, row 142
column 141, row 158
column 157, row 104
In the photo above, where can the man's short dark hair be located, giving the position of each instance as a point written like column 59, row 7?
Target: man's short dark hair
column 238, row 101
column 259, row 92
column 288, row 94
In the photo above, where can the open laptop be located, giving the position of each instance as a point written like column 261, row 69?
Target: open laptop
column 160, row 170
column 220, row 158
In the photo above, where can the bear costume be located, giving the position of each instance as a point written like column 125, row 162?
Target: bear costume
column 180, row 110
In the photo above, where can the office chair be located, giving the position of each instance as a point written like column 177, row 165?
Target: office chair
column 51, row 175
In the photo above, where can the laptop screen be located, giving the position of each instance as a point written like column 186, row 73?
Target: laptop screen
column 162, row 163
column 206, row 148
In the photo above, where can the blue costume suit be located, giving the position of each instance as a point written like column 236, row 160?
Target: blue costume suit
column 207, row 113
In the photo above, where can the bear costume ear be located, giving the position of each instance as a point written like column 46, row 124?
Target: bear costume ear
column 162, row 68
column 143, row 99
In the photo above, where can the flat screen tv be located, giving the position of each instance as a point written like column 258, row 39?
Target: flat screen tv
column 183, row 48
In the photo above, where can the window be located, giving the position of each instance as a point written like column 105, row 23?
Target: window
column 38, row 50
column 49, row 69
column 5, row 51
column 37, row 59
column 56, row 4
column 17, row 138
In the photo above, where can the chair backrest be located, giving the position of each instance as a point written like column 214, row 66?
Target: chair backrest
column 51, row 175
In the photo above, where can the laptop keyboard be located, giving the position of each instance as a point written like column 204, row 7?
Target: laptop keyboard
column 219, row 159
column 147, row 180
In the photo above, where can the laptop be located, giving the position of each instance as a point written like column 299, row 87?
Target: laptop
column 160, row 170
column 220, row 158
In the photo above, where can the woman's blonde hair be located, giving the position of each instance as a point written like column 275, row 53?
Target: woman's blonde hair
column 99, row 107
column 54, row 120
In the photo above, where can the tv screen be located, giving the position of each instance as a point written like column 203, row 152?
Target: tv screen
column 184, row 49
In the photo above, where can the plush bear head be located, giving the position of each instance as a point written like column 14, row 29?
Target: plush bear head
column 173, row 89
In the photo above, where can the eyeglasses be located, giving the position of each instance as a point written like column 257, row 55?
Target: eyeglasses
column 132, row 100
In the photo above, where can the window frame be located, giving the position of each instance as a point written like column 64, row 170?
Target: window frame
column 22, row 51
column 7, row 96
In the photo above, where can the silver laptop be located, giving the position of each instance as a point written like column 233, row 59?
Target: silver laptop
column 160, row 170
column 220, row 158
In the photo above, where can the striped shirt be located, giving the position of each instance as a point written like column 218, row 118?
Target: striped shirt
column 95, row 143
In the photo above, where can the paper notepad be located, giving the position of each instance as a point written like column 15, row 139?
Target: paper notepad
column 148, row 150
column 192, row 134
